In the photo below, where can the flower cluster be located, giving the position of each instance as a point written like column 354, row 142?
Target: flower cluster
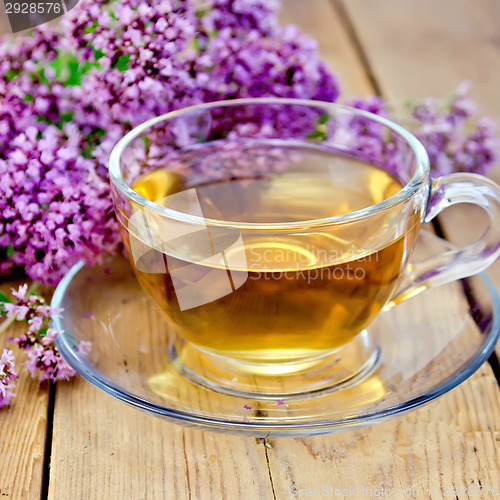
column 55, row 204
column 44, row 360
column 455, row 138
column 53, row 197
column 8, row 376
column 371, row 140
column 67, row 94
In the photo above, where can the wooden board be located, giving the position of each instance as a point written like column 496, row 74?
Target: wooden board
column 448, row 444
column 23, row 427
column 4, row 20
column 420, row 48
column 103, row 449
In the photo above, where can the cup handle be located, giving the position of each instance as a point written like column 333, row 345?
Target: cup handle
column 456, row 263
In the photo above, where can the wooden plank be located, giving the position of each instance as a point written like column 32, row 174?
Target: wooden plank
column 421, row 48
column 105, row 449
column 134, row 455
column 23, row 425
column 22, row 429
column 108, row 450
column 4, row 20
column 425, row 48
column 447, row 444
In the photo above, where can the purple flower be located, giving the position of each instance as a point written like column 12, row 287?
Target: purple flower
column 8, row 376
column 21, row 293
column 454, row 138
column 44, row 359
column 68, row 94
column 18, row 311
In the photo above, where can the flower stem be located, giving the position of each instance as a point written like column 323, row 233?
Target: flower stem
column 8, row 322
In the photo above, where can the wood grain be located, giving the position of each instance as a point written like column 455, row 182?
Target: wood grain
column 102, row 449
column 421, row 48
column 4, row 20
column 425, row 48
column 449, row 443
column 23, row 427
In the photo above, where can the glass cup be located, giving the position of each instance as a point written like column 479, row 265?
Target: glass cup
column 271, row 232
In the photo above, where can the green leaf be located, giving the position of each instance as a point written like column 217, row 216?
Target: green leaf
column 317, row 134
column 324, row 118
column 122, row 63
column 42, row 332
column 98, row 54
column 28, row 98
column 87, row 151
column 196, row 44
column 145, row 140
column 4, row 298
column 66, row 117
column 74, row 77
column 10, row 251
column 41, row 76
column 68, row 69
column 10, row 75
column 86, row 66
column 201, row 12
column 91, row 29
column 57, row 65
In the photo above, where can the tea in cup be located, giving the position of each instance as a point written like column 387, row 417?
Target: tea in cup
column 271, row 232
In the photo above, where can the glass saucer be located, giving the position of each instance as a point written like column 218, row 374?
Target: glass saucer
column 425, row 347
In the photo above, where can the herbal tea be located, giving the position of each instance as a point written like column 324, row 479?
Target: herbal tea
column 276, row 297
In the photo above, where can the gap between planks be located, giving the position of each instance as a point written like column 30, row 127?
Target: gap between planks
column 358, row 47
column 48, row 441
